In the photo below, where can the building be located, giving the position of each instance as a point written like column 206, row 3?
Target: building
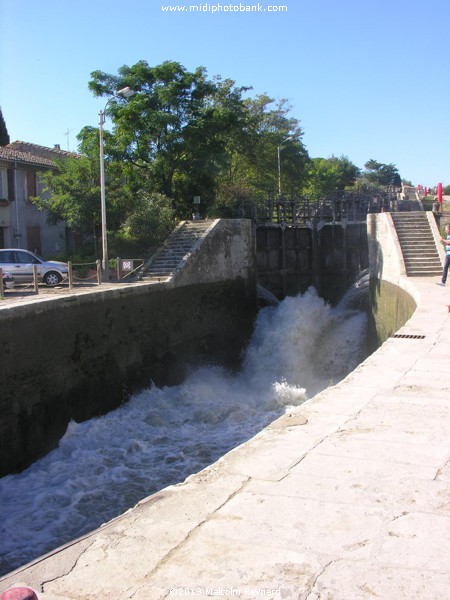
column 22, row 225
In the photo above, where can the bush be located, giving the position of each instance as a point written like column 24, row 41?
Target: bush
column 150, row 222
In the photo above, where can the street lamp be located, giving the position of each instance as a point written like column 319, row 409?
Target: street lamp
column 279, row 164
column 125, row 92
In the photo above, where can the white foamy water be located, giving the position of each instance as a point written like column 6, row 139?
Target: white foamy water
column 106, row 465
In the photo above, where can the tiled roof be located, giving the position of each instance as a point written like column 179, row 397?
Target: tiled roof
column 24, row 157
column 33, row 154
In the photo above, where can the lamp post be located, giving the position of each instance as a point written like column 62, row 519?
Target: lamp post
column 279, row 164
column 125, row 92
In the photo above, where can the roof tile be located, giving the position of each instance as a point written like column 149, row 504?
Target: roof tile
column 33, row 154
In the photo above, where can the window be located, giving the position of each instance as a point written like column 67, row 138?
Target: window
column 24, row 258
column 7, row 184
column 6, row 257
column 31, row 183
column 11, row 188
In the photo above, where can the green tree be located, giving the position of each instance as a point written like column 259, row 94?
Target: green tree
column 381, row 174
column 174, row 129
column 4, row 136
column 326, row 175
column 72, row 192
column 252, row 153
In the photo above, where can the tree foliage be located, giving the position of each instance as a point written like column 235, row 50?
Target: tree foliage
column 4, row 135
column 326, row 175
column 151, row 220
column 381, row 174
column 174, row 128
column 188, row 135
column 72, row 190
column 252, row 165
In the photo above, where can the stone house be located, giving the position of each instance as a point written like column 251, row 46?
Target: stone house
column 22, row 225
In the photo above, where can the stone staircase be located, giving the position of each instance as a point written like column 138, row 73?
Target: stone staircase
column 176, row 250
column 409, row 201
column 419, row 250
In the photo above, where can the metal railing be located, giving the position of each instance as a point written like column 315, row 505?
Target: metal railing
column 82, row 274
column 337, row 207
column 125, row 270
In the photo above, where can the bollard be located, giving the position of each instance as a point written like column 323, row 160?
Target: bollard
column 35, row 279
column 99, row 272
column 69, row 264
column 2, row 294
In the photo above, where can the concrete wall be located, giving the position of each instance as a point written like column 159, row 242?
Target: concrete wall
column 385, row 254
column 228, row 248
column 393, row 297
column 80, row 355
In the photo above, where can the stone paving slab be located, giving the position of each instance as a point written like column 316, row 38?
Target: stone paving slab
column 346, row 497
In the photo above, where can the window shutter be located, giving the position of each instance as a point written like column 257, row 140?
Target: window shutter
column 11, row 189
column 31, row 183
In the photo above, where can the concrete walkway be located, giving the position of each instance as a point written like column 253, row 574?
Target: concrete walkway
column 347, row 497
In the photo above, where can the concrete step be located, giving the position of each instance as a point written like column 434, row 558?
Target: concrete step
column 405, row 224
column 177, row 248
column 417, row 242
column 412, row 227
column 430, row 258
column 410, row 230
column 419, row 250
column 420, row 242
column 426, row 264
column 412, row 248
column 423, row 273
column 420, row 236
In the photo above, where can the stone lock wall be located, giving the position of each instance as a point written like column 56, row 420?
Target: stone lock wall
column 78, row 356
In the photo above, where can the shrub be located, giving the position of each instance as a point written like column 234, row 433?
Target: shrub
column 151, row 221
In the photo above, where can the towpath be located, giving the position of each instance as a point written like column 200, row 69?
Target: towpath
column 346, row 497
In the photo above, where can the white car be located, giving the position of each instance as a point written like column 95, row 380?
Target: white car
column 19, row 264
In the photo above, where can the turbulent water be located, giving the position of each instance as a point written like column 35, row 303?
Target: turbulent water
column 106, row 465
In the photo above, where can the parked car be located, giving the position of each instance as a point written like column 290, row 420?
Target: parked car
column 8, row 281
column 19, row 263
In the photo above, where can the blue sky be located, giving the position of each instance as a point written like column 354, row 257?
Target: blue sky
column 365, row 79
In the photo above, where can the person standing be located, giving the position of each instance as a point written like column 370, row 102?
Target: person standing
column 446, row 243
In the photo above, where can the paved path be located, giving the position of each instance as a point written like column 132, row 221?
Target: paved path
column 24, row 293
column 347, row 497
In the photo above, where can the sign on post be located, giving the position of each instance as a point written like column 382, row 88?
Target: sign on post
column 127, row 264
